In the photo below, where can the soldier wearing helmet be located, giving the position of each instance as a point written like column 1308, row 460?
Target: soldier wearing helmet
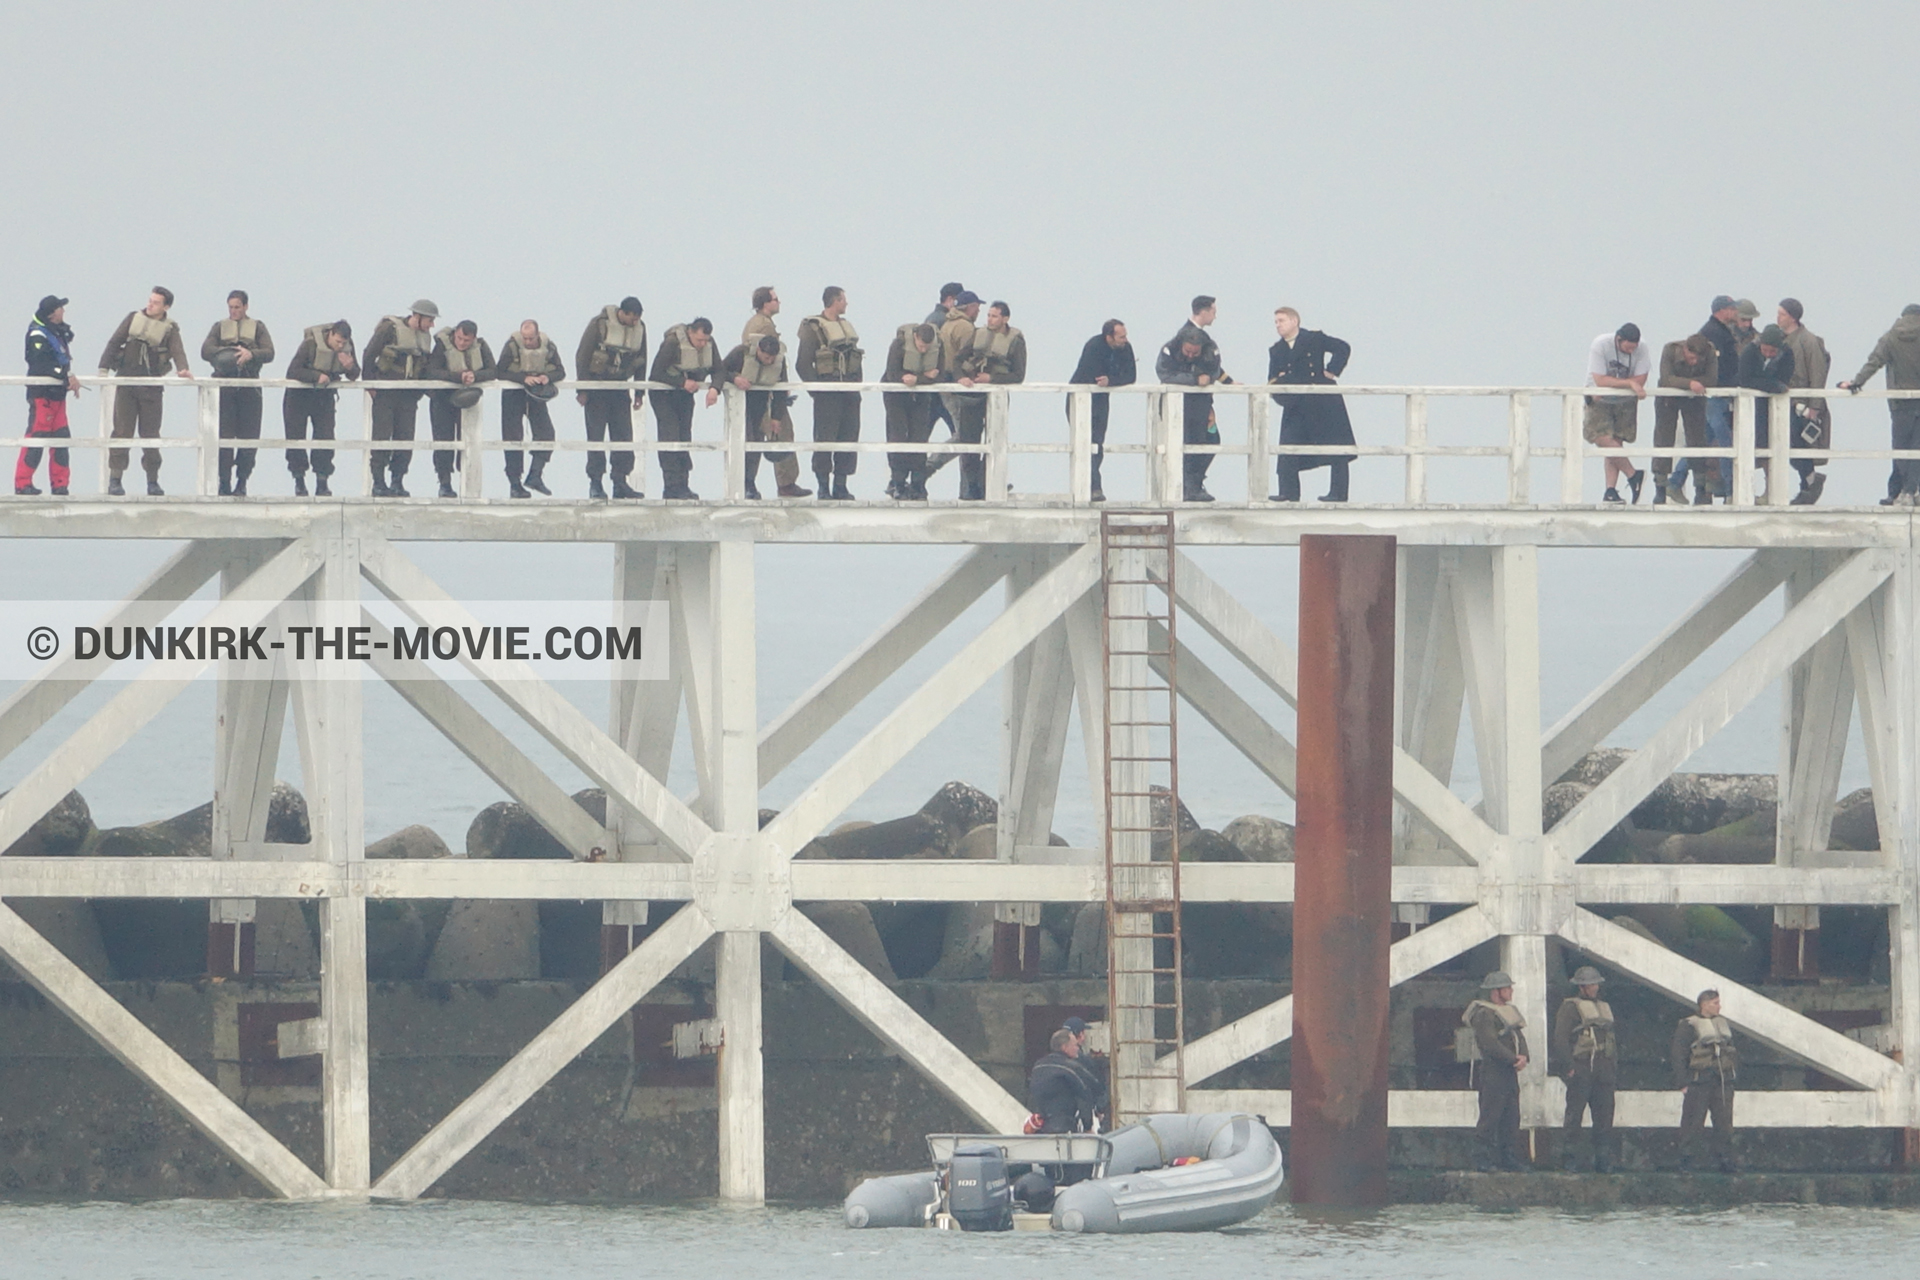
column 1583, row 1038
column 1499, row 1052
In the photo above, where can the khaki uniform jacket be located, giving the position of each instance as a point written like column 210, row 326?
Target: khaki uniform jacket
column 437, row 364
column 1810, row 360
column 1016, row 361
column 596, row 333
column 511, row 370
column 737, row 358
column 261, row 346
column 1566, row 1021
column 1677, row 373
column 382, row 339
column 667, row 359
column 956, row 345
column 805, row 359
column 301, row 368
column 897, row 363
column 758, row 326
column 1490, row 1035
column 1682, row 1053
column 119, row 353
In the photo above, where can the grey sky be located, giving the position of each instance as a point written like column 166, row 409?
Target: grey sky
column 1467, row 192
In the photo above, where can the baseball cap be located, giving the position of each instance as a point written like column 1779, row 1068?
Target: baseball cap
column 50, row 304
column 1721, row 302
column 967, row 298
column 1075, row 1025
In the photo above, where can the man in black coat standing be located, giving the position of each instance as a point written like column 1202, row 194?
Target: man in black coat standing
column 1308, row 357
column 1106, row 361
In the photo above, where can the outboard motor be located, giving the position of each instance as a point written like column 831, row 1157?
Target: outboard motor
column 978, row 1196
column 1034, row 1189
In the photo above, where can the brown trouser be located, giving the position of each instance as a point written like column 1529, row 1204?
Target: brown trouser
column 1590, row 1087
column 1707, row 472
column 1707, row 1095
column 775, row 424
column 836, row 420
column 1499, row 1128
column 136, row 407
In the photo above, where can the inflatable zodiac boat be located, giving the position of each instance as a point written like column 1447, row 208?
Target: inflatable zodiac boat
column 1165, row 1173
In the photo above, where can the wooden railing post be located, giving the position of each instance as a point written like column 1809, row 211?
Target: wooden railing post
column 1573, row 449
column 1743, row 451
column 207, row 482
column 1416, row 443
column 1519, row 447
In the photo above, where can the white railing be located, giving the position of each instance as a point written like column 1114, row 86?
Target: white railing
column 1070, row 438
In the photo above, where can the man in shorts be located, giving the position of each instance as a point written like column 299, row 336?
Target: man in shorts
column 1617, row 360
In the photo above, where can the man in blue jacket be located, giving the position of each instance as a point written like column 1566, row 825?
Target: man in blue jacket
column 49, row 355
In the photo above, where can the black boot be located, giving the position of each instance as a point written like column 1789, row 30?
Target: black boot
column 446, row 487
column 595, row 489
column 240, row 487
column 515, row 489
column 321, row 488
column 153, row 488
column 226, row 487
column 621, row 489
column 840, row 491
column 395, row 489
column 300, row 484
column 824, row 485
column 534, row 480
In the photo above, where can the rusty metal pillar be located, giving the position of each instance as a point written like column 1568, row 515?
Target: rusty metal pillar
column 1343, row 871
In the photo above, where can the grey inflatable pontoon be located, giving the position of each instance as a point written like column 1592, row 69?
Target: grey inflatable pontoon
column 1134, row 1184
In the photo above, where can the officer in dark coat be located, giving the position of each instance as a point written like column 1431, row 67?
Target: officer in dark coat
column 1105, row 361
column 1309, row 357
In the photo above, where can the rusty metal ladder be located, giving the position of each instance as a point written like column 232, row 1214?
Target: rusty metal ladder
column 1146, row 1012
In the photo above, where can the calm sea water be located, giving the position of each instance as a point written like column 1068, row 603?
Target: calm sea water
column 481, row 1241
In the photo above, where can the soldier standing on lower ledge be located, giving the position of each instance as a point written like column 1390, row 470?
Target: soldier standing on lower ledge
column 1499, row 1037
column 1583, row 1037
column 1705, row 1065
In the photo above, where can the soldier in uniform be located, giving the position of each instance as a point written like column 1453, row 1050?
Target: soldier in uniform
column 1192, row 359
column 49, row 355
column 237, row 347
column 1499, row 1037
column 949, row 294
column 397, row 352
column 830, row 352
column 684, row 361
column 778, row 424
column 999, row 354
column 144, row 344
column 958, row 364
column 912, row 361
column 612, row 349
column 532, row 364
column 460, row 356
column 756, row 368
column 324, row 357
column 1705, row 1065
column 1583, row 1037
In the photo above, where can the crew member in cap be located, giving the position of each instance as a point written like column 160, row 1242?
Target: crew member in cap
column 1745, row 311
column 237, row 347
column 397, row 352
column 531, row 363
column 1898, row 352
column 1719, row 332
column 830, row 352
column 1766, row 365
column 142, row 347
column 1706, row 1064
column 757, row 368
column 49, row 355
column 460, row 356
column 1499, row 1038
column 1811, row 424
column 324, row 357
column 1583, row 1038
column 613, row 348
column 949, row 294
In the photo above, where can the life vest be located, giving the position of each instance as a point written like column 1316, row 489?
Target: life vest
column 325, row 359
column 1593, row 1037
column 839, row 353
column 524, row 359
column 957, row 337
column 61, row 352
column 693, row 362
column 619, row 348
column 760, row 373
column 240, row 333
column 147, row 345
column 1712, row 1044
column 459, row 361
column 1512, row 1022
column 993, row 351
column 921, row 364
column 405, row 356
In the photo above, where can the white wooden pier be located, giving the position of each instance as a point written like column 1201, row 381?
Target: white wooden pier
column 1843, row 586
